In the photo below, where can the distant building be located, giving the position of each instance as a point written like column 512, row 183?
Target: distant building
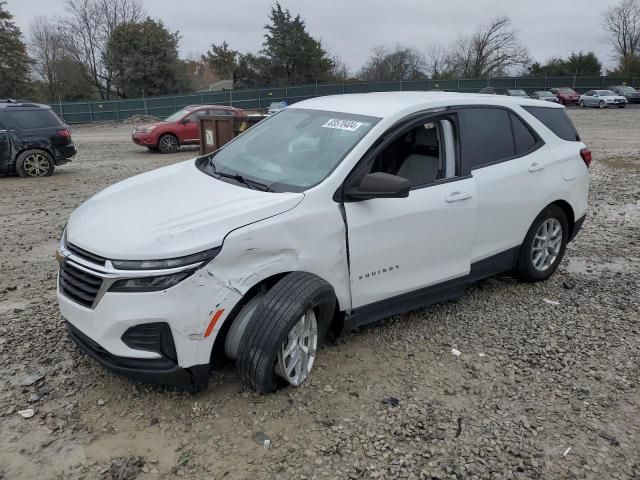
column 217, row 86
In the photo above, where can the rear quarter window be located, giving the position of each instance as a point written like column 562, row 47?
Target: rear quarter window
column 485, row 137
column 29, row 119
column 556, row 120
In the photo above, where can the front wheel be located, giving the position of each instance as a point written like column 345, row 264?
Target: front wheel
column 168, row 143
column 544, row 246
column 581, row 104
column 602, row 104
column 280, row 341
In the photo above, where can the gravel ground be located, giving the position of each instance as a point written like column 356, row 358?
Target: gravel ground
column 547, row 385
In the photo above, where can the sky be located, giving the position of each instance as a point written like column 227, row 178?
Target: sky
column 351, row 28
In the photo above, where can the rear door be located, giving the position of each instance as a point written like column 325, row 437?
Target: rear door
column 510, row 165
column 400, row 247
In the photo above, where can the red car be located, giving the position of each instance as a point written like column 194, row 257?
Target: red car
column 566, row 95
column 181, row 128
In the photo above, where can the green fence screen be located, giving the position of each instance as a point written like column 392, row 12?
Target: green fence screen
column 116, row 110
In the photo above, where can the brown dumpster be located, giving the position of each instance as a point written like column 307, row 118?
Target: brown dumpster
column 215, row 131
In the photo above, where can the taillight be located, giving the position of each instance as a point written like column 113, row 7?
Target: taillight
column 64, row 133
column 585, row 153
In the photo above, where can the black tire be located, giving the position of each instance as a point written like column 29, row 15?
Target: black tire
column 525, row 269
column 35, row 163
column 168, row 143
column 581, row 104
column 621, row 106
column 602, row 104
column 280, row 309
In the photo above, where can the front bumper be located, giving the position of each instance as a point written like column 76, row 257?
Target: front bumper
column 161, row 371
column 144, row 139
column 187, row 309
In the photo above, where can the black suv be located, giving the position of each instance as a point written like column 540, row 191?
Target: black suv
column 33, row 140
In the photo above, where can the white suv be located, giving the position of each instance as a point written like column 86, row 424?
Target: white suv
column 333, row 213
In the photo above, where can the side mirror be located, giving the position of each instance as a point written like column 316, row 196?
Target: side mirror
column 380, row 185
column 184, row 121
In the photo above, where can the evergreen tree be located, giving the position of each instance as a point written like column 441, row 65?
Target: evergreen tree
column 14, row 61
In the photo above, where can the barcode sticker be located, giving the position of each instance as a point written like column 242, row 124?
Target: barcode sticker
column 350, row 125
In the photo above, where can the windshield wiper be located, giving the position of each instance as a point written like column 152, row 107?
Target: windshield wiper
column 239, row 178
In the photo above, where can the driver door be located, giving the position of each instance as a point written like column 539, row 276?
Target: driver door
column 408, row 252
column 190, row 127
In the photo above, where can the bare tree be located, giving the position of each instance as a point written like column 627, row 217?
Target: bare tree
column 436, row 61
column 339, row 72
column 88, row 29
column 622, row 25
column 402, row 63
column 492, row 50
column 46, row 47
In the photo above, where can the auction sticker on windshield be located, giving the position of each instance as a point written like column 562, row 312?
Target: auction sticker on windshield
column 350, row 125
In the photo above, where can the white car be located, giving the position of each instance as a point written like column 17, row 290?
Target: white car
column 332, row 214
column 602, row 99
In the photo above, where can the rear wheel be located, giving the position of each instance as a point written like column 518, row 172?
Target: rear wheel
column 544, row 245
column 280, row 341
column 35, row 163
column 168, row 143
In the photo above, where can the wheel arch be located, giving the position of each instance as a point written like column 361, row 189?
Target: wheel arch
column 217, row 354
column 568, row 211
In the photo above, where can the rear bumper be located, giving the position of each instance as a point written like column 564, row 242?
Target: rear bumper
column 61, row 155
column 160, row 371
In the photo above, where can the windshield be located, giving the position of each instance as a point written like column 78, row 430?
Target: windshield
column 626, row 89
column 292, row 151
column 518, row 93
column 176, row 116
column 566, row 90
column 545, row 94
column 605, row 93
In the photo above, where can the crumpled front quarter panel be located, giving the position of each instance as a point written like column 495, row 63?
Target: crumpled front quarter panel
column 309, row 238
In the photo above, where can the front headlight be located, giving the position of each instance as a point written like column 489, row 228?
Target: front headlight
column 150, row 284
column 196, row 260
column 189, row 263
column 148, row 129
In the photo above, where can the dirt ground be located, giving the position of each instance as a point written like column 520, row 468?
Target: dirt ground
column 547, row 385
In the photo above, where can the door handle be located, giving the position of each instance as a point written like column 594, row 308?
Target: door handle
column 457, row 197
column 536, row 167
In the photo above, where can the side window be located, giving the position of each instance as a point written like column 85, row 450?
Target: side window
column 423, row 154
column 556, row 120
column 195, row 116
column 523, row 138
column 485, row 137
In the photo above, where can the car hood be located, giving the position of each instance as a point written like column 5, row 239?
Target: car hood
column 169, row 212
column 152, row 124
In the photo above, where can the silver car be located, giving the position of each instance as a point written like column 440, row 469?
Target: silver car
column 602, row 99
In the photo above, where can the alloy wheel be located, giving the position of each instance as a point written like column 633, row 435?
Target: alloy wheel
column 36, row 165
column 546, row 244
column 298, row 351
column 168, row 143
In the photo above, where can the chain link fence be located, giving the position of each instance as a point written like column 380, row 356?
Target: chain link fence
column 252, row 99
